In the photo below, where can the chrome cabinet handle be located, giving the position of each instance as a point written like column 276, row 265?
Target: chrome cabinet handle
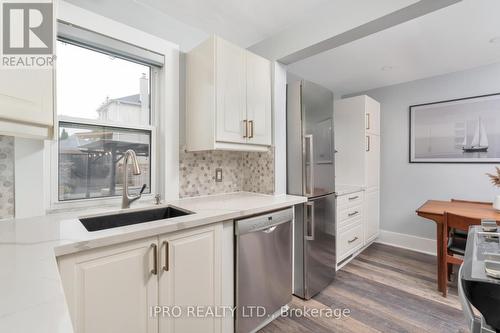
column 250, row 124
column 367, row 143
column 367, row 121
column 167, row 261
column 154, row 271
column 353, row 198
column 353, row 213
column 245, row 126
column 310, row 220
column 352, row 240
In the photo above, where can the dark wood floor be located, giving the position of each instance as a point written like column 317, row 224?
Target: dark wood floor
column 387, row 290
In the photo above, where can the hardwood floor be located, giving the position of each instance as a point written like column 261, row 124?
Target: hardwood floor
column 386, row 289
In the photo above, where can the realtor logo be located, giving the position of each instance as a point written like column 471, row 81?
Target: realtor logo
column 27, row 33
column 27, row 28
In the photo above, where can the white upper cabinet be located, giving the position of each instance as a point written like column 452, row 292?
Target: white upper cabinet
column 357, row 141
column 258, row 85
column 231, row 93
column 372, row 169
column 228, row 98
column 26, row 102
column 372, row 114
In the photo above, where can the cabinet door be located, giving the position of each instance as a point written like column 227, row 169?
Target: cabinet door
column 27, row 96
column 372, row 116
column 112, row 289
column 191, row 276
column 258, row 99
column 231, row 92
column 372, row 160
column 372, row 215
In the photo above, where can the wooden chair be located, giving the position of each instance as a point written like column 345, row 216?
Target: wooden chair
column 454, row 239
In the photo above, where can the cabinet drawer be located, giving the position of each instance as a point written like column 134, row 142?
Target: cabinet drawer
column 352, row 199
column 349, row 240
column 344, row 215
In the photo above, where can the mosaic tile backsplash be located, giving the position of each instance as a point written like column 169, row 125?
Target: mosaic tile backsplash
column 6, row 177
column 241, row 171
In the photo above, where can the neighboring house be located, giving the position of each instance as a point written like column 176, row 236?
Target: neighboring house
column 133, row 109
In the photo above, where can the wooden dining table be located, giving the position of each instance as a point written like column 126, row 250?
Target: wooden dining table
column 434, row 210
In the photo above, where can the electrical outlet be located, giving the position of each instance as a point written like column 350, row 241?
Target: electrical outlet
column 218, row 175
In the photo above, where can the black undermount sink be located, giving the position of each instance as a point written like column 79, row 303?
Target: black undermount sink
column 139, row 216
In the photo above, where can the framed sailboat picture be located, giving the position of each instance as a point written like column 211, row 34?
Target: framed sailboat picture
column 465, row 130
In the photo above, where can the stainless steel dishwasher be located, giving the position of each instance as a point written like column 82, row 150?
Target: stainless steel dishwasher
column 263, row 268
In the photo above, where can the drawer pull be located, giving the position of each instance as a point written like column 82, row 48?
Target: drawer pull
column 354, row 198
column 154, row 270
column 167, row 262
column 353, row 214
column 352, row 240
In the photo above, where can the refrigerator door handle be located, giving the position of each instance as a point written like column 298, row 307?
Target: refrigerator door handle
column 309, row 140
column 310, row 221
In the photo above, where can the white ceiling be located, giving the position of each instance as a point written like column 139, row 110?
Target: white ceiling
column 188, row 22
column 242, row 22
column 448, row 40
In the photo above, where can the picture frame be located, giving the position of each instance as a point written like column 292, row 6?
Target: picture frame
column 464, row 130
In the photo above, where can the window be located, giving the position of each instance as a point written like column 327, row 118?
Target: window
column 104, row 109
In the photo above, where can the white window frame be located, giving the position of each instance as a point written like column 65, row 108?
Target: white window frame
column 56, row 204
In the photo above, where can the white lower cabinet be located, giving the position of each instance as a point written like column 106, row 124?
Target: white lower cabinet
column 372, row 214
column 113, row 289
column 350, row 239
column 357, row 223
column 191, row 277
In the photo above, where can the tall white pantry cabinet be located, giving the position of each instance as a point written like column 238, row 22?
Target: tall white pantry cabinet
column 357, row 161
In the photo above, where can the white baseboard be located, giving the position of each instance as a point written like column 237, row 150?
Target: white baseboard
column 409, row 242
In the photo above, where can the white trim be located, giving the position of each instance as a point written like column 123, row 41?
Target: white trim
column 279, row 127
column 56, row 204
column 165, row 138
column 24, row 130
column 94, row 122
column 409, row 242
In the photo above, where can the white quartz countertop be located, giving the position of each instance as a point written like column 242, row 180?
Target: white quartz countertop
column 31, row 292
column 341, row 189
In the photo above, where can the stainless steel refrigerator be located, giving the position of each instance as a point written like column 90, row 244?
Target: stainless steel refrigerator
column 311, row 173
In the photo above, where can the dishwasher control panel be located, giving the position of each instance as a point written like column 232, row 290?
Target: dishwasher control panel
column 262, row 222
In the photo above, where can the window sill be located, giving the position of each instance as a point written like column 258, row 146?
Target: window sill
column 111, row 203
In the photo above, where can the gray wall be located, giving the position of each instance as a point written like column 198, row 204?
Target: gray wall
column 405, row 186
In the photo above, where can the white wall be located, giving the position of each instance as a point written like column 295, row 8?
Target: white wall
column 404, row 186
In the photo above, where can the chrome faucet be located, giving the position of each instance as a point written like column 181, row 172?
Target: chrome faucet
column 136, row 170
